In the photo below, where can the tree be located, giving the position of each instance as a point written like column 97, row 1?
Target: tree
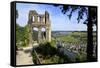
column 18, row 33
column 91, row 20
column 16, row 13
column 22, row 35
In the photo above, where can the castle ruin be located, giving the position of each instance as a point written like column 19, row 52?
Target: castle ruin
column 39, row 21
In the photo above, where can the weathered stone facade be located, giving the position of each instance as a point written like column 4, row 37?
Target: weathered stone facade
column 39, row 21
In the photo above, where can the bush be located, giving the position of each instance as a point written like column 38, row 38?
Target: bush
column 46, row 49
column 50, row 54
column 34, row 58
column 80, row 58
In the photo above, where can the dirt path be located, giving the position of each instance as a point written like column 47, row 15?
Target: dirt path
column 24, row 57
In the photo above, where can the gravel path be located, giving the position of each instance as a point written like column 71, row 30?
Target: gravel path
column 24, row 57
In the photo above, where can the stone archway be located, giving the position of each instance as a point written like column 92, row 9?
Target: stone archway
column 39, row 21
column 35, row 34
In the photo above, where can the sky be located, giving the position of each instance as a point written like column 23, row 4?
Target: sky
column 59, row 21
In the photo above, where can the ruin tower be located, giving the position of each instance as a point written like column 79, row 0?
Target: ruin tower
column 39, row 21
column 48, row 26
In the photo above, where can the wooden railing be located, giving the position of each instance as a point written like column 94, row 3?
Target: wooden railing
column 37, row 57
